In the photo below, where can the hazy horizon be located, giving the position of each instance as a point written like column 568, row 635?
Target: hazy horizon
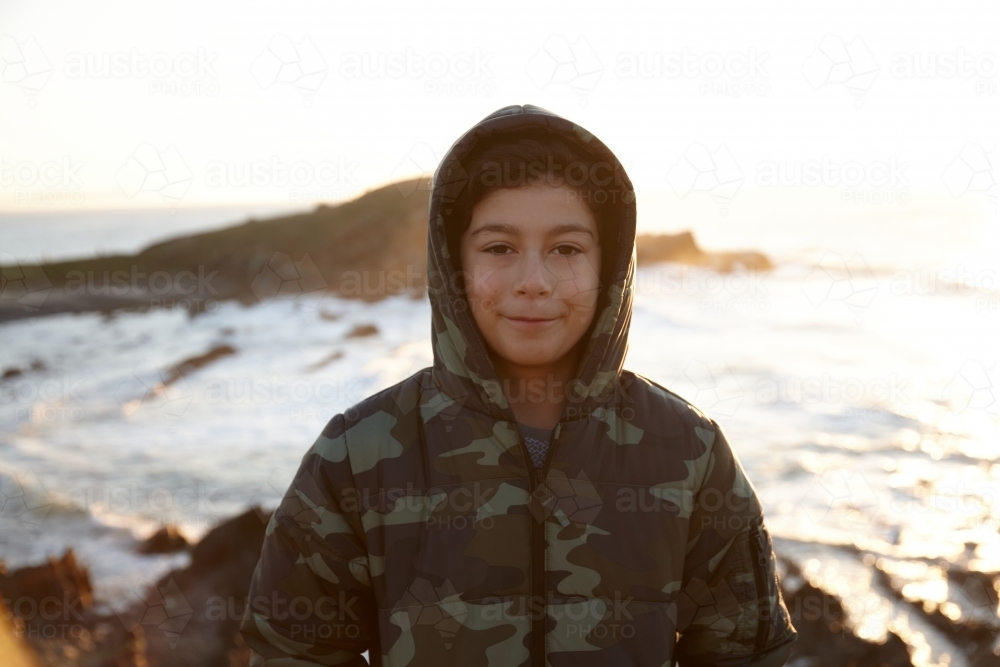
column 180, row 111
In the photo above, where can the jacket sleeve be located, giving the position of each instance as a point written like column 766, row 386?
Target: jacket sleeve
column 730, row 611
column 311, row 601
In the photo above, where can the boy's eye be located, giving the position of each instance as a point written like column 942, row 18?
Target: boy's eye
column 573, row 250
column 563, row 250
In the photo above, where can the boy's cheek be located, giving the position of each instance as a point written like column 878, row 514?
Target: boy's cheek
column 481, row 302
column 482, row 281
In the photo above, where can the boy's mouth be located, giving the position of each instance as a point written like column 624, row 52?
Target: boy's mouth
column 530, row 318
column 531, row 321
column 526, row 318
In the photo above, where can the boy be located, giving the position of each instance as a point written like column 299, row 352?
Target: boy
column 525, row 501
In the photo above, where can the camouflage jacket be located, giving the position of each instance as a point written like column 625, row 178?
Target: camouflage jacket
column 418, row 530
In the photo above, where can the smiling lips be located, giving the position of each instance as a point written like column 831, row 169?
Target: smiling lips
column 531, row 321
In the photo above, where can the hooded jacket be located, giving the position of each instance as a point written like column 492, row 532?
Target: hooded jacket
column 417, row 528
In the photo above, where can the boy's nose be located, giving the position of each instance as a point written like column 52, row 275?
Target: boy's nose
column 534, row 278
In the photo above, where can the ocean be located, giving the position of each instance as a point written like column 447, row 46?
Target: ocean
column 858, row 383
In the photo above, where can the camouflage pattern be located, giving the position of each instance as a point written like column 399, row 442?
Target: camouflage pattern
column 417, row 528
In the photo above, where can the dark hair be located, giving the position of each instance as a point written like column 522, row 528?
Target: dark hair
column 526, row 157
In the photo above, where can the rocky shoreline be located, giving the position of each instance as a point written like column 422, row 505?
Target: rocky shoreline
column 370, row 248
column 191, row 615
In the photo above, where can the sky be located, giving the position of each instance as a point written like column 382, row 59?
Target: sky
column 719, row 111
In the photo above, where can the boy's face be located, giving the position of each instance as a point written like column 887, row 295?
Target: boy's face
column 532, row 253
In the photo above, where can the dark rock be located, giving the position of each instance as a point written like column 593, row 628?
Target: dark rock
column 191, row 364
column 973, row 623
column 328, row 359
column 825, row 640
column 166, row 540
column 681, row 248
column 41, row 594
column 204, row 602
column 362, row 330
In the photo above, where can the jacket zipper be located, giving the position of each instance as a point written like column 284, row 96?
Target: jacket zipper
column 537, row 554
column 760, row 555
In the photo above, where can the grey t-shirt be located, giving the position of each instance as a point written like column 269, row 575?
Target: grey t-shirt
column 537, row 440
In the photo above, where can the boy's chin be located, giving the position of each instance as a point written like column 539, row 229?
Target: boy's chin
column 524, row 355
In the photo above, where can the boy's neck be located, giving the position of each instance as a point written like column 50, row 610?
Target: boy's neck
column 537, row 394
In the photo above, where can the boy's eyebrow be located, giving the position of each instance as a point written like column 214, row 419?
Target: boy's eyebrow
column 504, row 228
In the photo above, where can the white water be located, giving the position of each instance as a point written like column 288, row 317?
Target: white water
column 864, row 402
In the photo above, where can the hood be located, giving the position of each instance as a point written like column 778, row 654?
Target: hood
column 462, row 367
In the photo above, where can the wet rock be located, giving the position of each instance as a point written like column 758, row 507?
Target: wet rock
column 191, row 364
column 190, row 616
column 681, row 248
column 362, row 330
column 328, row 359
column 202, row 604
column 825, row 639
column 166, row 540
column 42, row 595
column 965, row 610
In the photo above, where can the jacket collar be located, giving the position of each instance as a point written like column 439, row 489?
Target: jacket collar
column 462, row 368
